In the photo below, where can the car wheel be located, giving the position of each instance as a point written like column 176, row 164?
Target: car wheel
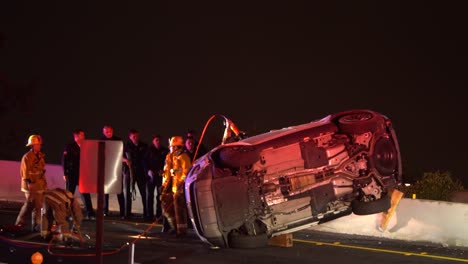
column 373, row 207
column 384, row 157
column 235, row 157
column 359, row 122
column 237, row 240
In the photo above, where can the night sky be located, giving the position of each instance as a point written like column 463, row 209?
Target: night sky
column 167, row 66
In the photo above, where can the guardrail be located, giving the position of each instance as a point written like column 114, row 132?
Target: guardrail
column 10, row 189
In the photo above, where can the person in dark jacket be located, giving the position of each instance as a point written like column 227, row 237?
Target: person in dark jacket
column 154, row 165
column 71, row 170
column 190, row 147
column 202, row 150
column 134, row 171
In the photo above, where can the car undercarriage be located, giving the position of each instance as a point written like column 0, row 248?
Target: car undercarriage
column 290, row 179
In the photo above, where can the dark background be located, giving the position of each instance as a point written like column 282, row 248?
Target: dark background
column 168, row 66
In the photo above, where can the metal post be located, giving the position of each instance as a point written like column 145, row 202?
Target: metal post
column 100, row 201
column 131, row 253
column 33, row 219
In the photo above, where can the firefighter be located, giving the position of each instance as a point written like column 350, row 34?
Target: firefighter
column 61, row 213
column 33, row 183
column 176, row 167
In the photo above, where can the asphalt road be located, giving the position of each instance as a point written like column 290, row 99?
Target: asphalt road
column 152, row 246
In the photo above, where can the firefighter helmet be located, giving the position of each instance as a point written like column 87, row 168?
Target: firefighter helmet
column 34, row 140
column 176, row 141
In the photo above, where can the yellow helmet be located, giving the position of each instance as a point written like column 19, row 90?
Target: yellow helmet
column 176, row 141
column 34, row 140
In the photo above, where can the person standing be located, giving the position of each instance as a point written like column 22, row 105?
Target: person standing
column 154, row 165
column 190, row 147
column 134, row 171
column 33, row 183
column 197, row 144
column 108, row 134
column 176, row 167
column 71, row 170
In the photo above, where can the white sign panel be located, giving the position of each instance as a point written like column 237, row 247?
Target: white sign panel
column 109, row 163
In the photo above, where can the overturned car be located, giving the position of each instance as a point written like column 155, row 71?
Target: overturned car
column 242, row 193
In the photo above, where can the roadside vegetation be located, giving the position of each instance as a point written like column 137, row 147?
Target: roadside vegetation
column 434, row 186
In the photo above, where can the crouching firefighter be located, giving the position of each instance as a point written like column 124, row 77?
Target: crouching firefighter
column 173, row 203
column 61, row 213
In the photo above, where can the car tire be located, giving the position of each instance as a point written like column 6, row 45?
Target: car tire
column 245, row 241
column 373, row 207
column 360, row 122
column 238, row 156
column 384, row 156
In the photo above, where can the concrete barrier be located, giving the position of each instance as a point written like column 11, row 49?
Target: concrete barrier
column 445, row 223
column 10, row 188
column 460, row 197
